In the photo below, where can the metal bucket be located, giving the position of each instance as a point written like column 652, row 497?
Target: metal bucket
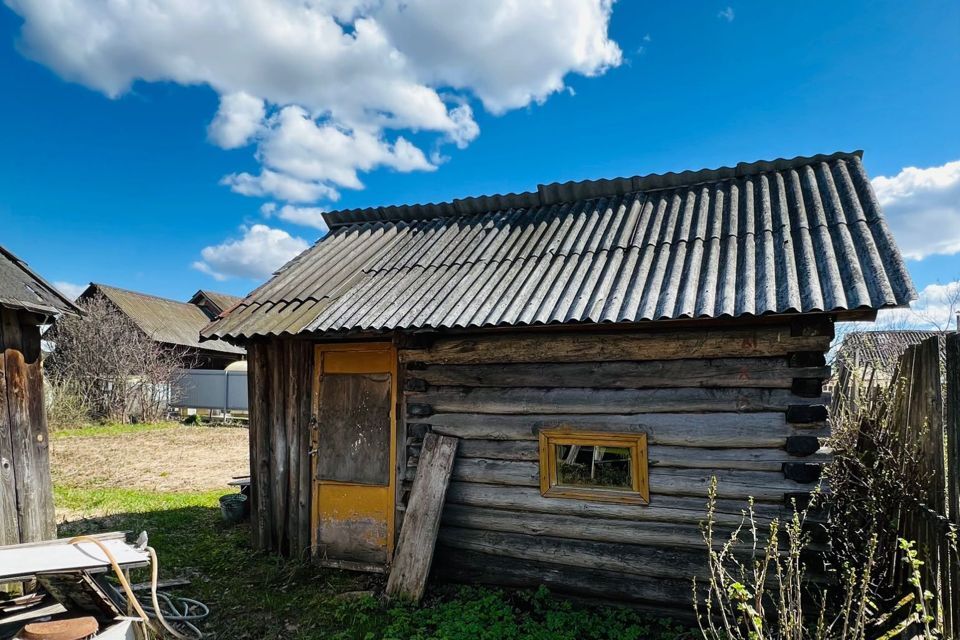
column 234, row 507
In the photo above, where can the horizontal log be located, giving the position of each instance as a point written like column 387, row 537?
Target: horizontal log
column 667, row 596
column 656, row 534
column 760, row 485
column 657, row 455
column 600, row 347
column 724, row 372
column 746, row 430
column 527, row 400
column 676, row 509
column 588, row 554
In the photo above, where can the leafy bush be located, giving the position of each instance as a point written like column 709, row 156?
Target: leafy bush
column 493, row 614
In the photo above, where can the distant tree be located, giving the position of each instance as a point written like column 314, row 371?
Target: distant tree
column 112, row 367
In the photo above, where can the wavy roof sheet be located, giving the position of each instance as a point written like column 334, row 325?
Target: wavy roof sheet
column 801, row 235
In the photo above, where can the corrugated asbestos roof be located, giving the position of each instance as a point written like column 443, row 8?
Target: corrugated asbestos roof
column 881, row 350
column 21, row 288
column 167, row 321
column 801, row 235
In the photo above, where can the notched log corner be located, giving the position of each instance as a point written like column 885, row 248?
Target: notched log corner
column 802, row 445
column 803, row 472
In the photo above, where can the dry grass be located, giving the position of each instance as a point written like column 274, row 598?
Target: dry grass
column 154, row 458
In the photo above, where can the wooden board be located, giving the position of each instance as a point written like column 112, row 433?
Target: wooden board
column 24, row 440
column 722, row 372
column 731, row 483
column 638, row 345
column 532, row 400
column 658, row 455
column 411, row 566
column 676, row 509
column 741, row 430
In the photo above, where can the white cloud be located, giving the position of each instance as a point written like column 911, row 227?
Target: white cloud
column 508, row 54
column 261, row 251
column 727, row 14
column 238, row 119
column 922, row 207
column 304, row 216
column 935, row 308
column 350, row 69
column 278, row 185
column 297, row 146
column 70, row 289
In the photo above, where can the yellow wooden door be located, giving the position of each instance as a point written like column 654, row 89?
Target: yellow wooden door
column 353, row 448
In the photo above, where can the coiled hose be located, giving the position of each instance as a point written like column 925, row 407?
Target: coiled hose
column 192, row 610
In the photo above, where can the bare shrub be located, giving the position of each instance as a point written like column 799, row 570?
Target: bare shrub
column 66, row 407
column 116, row 370
column 760, row 588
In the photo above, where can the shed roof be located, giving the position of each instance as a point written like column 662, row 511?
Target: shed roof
column 881, row 350
column 782, row 236
column 21, row 288
column 164, row 320
column 222, row 301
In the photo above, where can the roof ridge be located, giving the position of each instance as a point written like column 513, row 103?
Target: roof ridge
column 100, row 285
column 557, row 192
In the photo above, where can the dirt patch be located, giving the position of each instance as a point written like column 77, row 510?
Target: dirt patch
column 178, row 459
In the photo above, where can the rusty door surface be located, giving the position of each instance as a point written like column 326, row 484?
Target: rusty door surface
column 353, row 454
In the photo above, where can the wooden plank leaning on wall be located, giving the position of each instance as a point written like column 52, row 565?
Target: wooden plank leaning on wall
column 414, row 557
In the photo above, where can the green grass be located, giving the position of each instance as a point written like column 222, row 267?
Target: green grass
column 253, row 595
column 113, row 429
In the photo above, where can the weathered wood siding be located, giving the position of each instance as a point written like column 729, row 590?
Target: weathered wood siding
column 742, row 404
column 26, row 494
column 280, row 383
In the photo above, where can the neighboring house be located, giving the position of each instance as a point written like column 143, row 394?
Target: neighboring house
column 866, row 362
column 878, row 352
column 176, row 324
column 601, row 349
column 27, row 302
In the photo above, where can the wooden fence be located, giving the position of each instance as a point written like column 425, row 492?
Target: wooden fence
column 926, row 411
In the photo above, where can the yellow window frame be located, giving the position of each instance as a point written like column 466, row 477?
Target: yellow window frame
column 639, row 493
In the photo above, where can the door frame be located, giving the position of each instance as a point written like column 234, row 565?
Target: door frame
column 358, row 347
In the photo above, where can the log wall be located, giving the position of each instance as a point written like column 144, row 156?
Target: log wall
column 26, row 494
column 742, row 404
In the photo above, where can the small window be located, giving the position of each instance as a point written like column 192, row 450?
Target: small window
column 590, row 465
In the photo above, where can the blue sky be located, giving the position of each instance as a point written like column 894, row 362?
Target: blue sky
column 100, row 181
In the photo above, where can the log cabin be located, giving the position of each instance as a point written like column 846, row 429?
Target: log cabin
column 600, row 349
column 27, row 303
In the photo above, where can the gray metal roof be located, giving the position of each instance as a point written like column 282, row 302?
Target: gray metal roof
column 800, row 235
column 21, row 288
column 881, row 350
column 163, row 320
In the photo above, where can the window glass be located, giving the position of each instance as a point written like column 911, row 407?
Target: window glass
column 594, row 466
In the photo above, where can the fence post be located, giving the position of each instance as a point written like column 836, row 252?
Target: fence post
column 226, row 393
column 951, row 430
